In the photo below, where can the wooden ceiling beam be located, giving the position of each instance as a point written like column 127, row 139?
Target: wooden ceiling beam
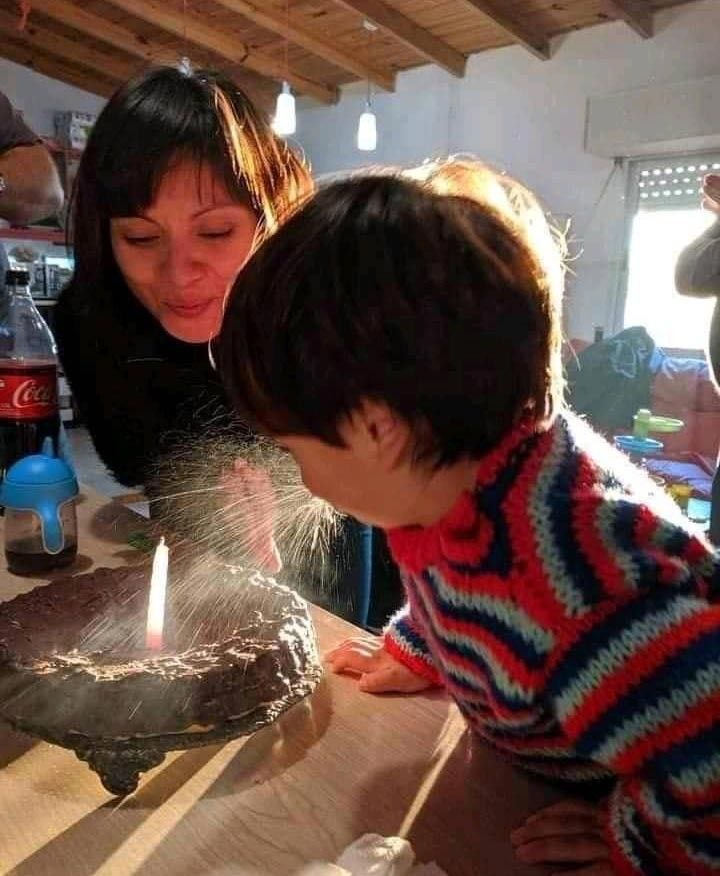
column 48, row 66
column 193, row 29
column 634, row 13
column 410, row 33
column 536, row 42
column 100, row 31
column 98, row 28
column 35, row 36
column 273, row 21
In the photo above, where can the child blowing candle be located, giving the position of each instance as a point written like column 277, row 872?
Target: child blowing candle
column 560, row 599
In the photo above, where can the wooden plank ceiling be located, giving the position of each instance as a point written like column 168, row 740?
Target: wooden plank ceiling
column 317, row 45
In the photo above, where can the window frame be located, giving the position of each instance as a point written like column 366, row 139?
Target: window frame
column 634, row 168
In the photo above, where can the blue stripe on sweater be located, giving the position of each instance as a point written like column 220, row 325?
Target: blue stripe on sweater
column 489, row 501
column 524, row 649
column 701, row 748
column 688, row 754
column 646, row 568
column 676, row 542
column 487, row 674
column 643, row 845
column 417, row 643
column 704, row 845
column 562, row 531
column 672, row 674
column 605, row 631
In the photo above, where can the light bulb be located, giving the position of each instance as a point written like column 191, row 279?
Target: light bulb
column 367, row 130
column 284, row 122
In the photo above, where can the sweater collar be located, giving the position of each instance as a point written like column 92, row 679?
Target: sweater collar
column 463, row 534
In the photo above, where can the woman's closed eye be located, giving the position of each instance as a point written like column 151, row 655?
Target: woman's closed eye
column 140, row 239
column 215, row 233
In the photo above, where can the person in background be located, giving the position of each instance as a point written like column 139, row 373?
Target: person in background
column 697, row 274
column 181, row 174
column 553, row 590
column 30, row 188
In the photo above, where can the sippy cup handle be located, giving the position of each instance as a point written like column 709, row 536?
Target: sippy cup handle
column 52, row 532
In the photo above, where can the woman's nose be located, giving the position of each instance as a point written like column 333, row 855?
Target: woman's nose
column 180, row 264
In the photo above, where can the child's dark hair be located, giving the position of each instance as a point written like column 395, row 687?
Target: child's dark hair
column 381, row 288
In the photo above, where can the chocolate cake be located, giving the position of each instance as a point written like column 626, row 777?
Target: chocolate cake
column 73, row 662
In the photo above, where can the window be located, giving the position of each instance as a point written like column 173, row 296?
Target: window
column 665, row 215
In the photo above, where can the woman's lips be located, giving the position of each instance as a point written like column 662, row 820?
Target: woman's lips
column 190, row 310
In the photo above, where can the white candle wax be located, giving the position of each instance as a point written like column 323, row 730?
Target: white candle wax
column 156, row 602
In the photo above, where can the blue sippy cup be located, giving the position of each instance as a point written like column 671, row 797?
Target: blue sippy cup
column 38, row 493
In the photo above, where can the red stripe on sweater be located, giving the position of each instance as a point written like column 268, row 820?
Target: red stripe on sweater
column 691, row 723
column 672, row 852
column 635, row 668
column 499, row 650
column 414, row 664
column 699, row 798
column 441, row 623
column 621, row 865
column 537, row 596
column 695, row 550
column 600, row 556
column 468, row 584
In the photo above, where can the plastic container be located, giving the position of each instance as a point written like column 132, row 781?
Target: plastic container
column 39, row 493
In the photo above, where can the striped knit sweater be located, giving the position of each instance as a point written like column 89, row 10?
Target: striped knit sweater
column 574, row 616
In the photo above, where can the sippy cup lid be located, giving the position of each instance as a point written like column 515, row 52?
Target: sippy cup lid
column 41, row 483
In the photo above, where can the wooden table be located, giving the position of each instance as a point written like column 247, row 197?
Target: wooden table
column 336, row 766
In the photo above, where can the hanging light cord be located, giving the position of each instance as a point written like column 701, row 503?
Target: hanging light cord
column 287, row 30
column 369, row 44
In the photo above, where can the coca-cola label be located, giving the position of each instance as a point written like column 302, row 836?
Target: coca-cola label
column 28, row 396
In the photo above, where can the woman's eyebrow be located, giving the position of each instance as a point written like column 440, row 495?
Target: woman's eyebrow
column 204, row 210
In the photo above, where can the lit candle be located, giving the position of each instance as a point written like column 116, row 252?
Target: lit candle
column 156, row 603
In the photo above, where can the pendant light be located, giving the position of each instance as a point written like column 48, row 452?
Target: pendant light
column 367, row 123
column 284, row 121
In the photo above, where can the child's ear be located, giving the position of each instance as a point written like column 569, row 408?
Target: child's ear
column 386, row 434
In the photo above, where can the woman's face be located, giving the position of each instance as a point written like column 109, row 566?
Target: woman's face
column 181, row 254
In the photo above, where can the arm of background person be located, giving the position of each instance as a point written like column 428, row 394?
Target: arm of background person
column 31, row 186
column 697, row 272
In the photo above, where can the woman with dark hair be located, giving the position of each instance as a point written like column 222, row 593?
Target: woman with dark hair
column 180, row 175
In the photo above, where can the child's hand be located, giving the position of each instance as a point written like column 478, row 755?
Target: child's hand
column 569, row 832
column 378, row 671
column 250, row 502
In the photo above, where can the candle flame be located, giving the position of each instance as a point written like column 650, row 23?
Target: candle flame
column 156, row 602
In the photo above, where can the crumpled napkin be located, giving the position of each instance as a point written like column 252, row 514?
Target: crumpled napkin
column 374, row 855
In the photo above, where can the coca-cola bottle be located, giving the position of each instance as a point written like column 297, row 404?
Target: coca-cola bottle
column 28, row 374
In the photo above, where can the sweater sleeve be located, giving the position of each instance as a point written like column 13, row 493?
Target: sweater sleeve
column 636, row 687
column 405, row 642
column 697, row 272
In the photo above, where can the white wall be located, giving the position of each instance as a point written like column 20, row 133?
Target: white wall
column 38, row 96
column 529, row 117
